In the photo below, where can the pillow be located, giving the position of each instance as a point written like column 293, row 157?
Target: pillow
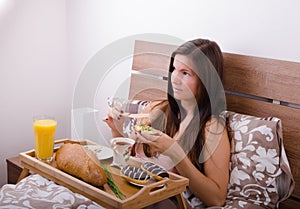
column 134, row 106
column 258, row 162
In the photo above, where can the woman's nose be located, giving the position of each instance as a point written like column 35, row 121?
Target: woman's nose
column 175, row 77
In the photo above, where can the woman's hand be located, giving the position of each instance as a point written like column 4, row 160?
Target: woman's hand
column 158, row 141
column 115, row 121
column 161, row 143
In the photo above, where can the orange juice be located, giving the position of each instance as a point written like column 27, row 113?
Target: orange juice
column 44, row 132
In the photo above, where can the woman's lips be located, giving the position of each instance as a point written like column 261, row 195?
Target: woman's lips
column 177, row 89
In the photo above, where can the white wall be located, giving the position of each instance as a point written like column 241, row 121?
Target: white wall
column 33, row 76
column 51, row 41
column 260, row 28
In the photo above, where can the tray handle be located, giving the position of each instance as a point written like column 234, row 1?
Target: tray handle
column 153, row 192
column 165, row 184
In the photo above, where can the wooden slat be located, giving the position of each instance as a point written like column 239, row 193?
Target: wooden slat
column 144, row 88
column 290, row 118
column 152, row 56
column 269, row 78
column 147, row 46
column 155, row 64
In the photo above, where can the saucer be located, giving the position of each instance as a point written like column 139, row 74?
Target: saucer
column 101, row 152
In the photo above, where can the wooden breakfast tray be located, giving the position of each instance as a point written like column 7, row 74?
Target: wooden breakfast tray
column 135, row 197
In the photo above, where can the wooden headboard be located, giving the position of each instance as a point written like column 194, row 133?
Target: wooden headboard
column 255, row 86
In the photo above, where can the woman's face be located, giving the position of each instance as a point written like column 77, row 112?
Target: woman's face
column 184, row 81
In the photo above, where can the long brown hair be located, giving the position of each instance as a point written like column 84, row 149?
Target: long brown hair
column 208, row 63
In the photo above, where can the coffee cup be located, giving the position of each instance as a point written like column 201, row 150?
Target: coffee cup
column 121, row 150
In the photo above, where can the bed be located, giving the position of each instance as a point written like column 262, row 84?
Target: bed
column 264, row 91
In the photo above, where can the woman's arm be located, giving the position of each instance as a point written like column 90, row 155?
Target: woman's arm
column 210, row 187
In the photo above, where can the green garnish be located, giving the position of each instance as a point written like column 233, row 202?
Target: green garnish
column 112, row 184
column 143, row 127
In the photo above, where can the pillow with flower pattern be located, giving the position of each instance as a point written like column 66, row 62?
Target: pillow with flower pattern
column 134, row 106
column 258, row 162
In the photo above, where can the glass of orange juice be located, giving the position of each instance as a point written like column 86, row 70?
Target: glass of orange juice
column 44, row 134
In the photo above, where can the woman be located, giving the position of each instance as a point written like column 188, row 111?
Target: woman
column 193, row 134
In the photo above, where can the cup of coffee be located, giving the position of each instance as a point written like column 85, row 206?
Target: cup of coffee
column 121, row 150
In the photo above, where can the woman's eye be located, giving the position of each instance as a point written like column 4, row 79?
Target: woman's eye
column 185, row 73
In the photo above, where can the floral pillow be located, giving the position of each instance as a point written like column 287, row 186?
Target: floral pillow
column 258, row 163
column 135, row 106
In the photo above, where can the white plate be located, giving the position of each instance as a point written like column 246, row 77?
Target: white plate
column 102, row 152
column 142, row 185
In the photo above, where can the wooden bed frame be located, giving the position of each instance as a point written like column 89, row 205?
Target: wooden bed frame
column 254, row 86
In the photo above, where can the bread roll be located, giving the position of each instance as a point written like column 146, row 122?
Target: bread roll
column 81, row 163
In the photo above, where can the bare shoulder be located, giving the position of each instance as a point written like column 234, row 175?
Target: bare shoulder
column 216, row 126
column 217, row 144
